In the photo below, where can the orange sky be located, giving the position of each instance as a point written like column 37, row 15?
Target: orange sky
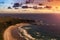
column 55, row 3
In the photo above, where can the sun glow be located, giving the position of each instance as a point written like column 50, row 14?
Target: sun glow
column 4, row 4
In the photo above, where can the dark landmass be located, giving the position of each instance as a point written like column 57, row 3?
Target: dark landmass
column 49, row 23
column 5, row 22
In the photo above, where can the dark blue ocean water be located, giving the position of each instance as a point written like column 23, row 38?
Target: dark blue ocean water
column 48, row 18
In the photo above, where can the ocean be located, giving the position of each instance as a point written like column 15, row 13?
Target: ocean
column 48, row 18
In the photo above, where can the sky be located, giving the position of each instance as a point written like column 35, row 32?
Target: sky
column 6, row 3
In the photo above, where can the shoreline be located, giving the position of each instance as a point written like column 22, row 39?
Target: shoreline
column 9, row 31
